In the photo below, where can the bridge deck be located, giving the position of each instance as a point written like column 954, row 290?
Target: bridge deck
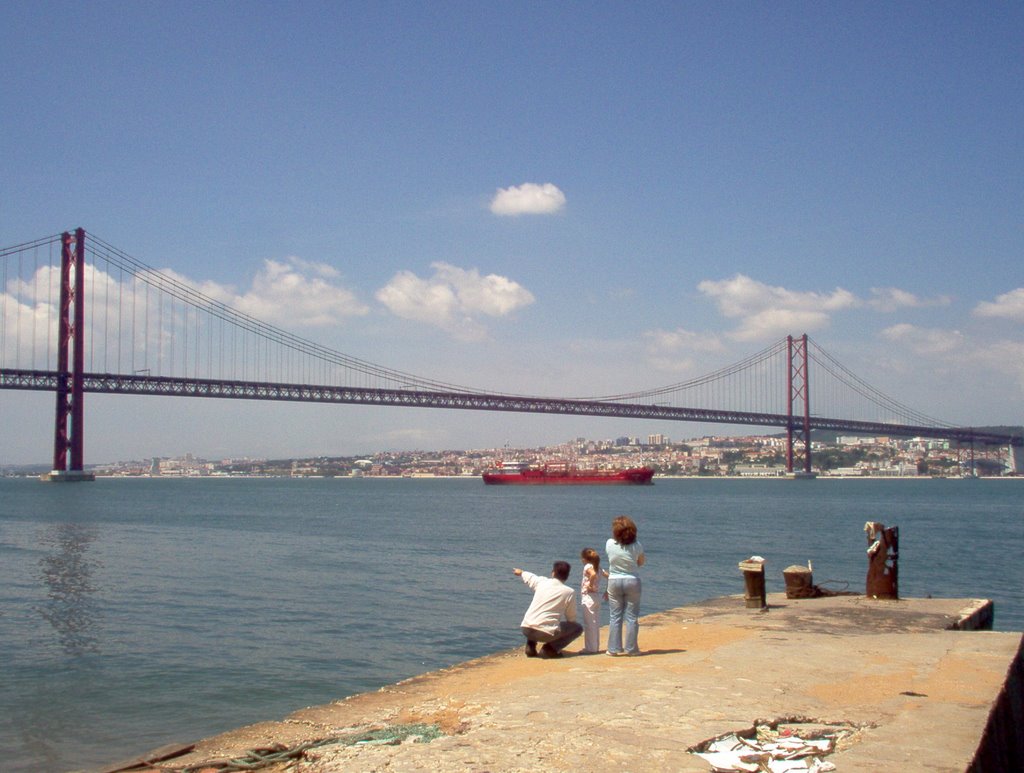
column 167, row 386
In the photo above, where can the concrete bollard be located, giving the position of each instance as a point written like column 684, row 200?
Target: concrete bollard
column 753, row 579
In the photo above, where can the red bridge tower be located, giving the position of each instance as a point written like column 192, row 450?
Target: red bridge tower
column 798, row 389
column 69, row 434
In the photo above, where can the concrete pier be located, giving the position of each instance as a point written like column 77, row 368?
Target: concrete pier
column 67, row 476
column 915, row 688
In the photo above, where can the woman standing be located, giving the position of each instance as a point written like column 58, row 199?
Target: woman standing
column 625, row 557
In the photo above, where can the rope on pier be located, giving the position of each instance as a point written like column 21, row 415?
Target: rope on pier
column 264, row 756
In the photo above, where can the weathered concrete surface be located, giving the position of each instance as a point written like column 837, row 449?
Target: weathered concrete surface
column 920, row 694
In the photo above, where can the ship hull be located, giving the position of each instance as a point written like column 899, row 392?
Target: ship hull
column 639, row 476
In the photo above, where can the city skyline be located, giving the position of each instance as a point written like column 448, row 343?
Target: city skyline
column 707, row 456
column 749, row 454
column 542, row 200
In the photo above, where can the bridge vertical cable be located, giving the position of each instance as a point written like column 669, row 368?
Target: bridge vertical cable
column 29, row 276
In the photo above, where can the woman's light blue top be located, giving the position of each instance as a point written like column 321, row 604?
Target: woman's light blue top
column 622, row 558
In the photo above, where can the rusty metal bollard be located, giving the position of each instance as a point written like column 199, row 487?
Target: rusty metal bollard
column 883, row 561
column 753, row 579
column 800, row 582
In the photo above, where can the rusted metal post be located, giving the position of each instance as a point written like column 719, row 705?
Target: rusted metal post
column 754, row 596
column 799, row 582
column 883, row 561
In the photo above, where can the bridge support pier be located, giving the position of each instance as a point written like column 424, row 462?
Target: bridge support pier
column 68, row 446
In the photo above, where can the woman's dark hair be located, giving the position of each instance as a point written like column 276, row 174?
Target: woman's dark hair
column 624, row 530
column 561, row 570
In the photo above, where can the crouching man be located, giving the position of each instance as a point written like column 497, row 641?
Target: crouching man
column 543, row 623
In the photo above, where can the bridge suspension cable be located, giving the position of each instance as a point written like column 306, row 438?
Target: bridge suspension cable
column 266, row 334
column 893, row 408
column 26, row 246
column 749, row 365
column 151, row 332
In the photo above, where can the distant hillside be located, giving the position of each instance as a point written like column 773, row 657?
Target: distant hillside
column 24, row 469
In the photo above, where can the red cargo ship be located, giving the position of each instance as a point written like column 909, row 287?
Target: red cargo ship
column 519, row 474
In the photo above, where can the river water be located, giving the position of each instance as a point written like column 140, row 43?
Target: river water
column 135, row 613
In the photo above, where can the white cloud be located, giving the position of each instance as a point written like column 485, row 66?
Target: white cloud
column 682, row 340
column 29, row 327
column 1006, row 306
column 671, row 340
column 892, row 299
column 1005, row 357
column 316, row 269
column 765, row 311
column 225, row 294
column 925, row 341
column 290, row 292
column 296, row 292
column 772, row 323
column 493, row 295
column 952, row 351
column 453, row 298
column 672, row 351
column 423, row 300
column 528, row 199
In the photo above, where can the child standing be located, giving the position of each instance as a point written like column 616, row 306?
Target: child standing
column 590, row 600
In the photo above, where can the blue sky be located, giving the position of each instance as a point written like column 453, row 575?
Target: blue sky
column 561, row 199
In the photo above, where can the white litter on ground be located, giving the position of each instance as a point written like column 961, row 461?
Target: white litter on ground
column 772, row 751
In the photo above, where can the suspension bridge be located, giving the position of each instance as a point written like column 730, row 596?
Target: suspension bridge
column 78, row 315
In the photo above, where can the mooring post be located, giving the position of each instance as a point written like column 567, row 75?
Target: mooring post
column 883, row 561
column 754, row 595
